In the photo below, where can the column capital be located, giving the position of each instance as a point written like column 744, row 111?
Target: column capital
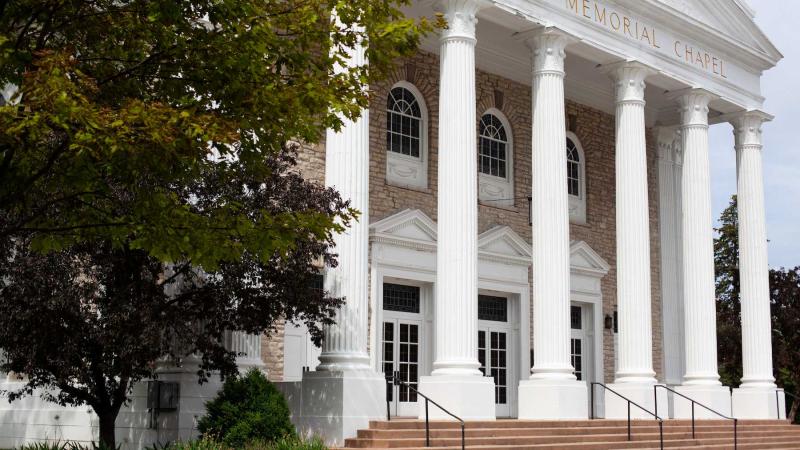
column 629, row 80
column 693, row 106
column 668, row 141
column 461, row 17
column 747, row 127
column 549, row 48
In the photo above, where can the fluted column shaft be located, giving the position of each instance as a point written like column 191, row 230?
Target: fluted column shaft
column 670, row 216
column 753, row 264
column 549, row 210
column 347, row 170
column 698, row 247
column 633, row 227
column 457, row 245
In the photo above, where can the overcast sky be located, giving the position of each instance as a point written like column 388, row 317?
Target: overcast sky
column 781, row 87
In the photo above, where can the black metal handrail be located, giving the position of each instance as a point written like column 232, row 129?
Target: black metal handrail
column 778, row 402
column 735, row 420
column 631, row 402
column 394, row 379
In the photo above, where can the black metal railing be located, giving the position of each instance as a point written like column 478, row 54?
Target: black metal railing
column 394, row 379
column 630, row 402
column 778, row 402
column 735, row 420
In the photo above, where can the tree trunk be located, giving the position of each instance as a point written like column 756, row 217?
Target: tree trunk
column 793, row 411
column 108, row 425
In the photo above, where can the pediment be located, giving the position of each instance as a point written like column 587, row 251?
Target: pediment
column 502, row 240
column 410, row 224
column 583, row 257
column 732, row 18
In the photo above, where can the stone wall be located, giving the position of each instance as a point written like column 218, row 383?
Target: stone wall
column 595, row 130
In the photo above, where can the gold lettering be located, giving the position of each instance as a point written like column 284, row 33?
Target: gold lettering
column 655, row 41
column 715, row 65
column 707, row 61
column 689, row 54
column 722, row 69
column 677, row 45
column 627, row 25
column 586, row 9
column 699, row 59
column 611, row 19
column 646, row 35
column 598, row 16
column 573, row 4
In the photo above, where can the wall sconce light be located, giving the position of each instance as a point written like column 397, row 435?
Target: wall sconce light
column 530, row 211
column 609, row 322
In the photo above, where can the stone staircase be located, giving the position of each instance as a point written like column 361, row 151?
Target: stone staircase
column 403, row 434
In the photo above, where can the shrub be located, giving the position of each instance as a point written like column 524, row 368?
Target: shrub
column 247, row 409
column 284, row 443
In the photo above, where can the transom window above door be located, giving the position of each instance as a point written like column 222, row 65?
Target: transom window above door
column 492, row 308
column 401, row 298
column 406, row 137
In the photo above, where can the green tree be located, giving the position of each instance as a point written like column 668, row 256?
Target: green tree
column 113, row 93
column 784, row 304
column 147, row 183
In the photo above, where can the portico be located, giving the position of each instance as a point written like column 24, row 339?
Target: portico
column 663, row 76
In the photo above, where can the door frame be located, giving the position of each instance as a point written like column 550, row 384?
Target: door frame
column 513, row 355
column 424, row 318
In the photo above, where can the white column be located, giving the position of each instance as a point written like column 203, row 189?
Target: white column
column 325, row 405
column 635, row 376
column 756, row 397
column 669, row 180
column 633, row 228
column 552, row 392
column 347, row 171
column 701, row 381
column 456, row 379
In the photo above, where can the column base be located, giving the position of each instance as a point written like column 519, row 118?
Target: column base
column 469, row 397
column 335, row 405
column 717, row 398
column 759, row 403
column 544, row 399
column 640, row 393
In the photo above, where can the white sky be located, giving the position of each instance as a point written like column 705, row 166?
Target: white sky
column 781, row 87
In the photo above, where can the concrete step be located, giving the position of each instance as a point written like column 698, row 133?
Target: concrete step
column 576, row 435
column 725, row 444
column 549, row 431
column 412, row 424
column 575, row 438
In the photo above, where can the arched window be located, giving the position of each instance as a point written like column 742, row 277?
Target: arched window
column 576, row 179
column 406, row 137
column 492, row 146
column 495, row 159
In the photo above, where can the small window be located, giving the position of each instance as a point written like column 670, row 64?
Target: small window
column 406, row 137
column 492, row 308
column 493, row 147
column 404, row 123
column 397, row 297
column 573, row 169
column 576, row 179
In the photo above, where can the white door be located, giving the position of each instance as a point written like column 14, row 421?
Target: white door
column 580, row 344
column 402, row 345
column 299, row 352
column 496, row 350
